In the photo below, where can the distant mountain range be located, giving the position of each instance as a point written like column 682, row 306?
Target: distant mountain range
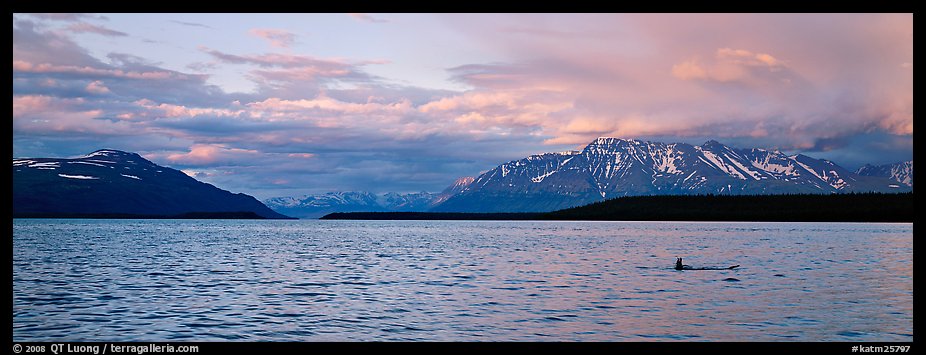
column 112, row 182
column 315, row 206
column 612, row 167
column 115, row 182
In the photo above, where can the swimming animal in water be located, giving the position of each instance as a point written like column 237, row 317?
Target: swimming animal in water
column 680, row 266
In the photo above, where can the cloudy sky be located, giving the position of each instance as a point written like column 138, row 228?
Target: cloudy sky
column 289, row 104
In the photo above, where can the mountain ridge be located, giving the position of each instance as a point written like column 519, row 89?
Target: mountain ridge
column 901, row 172
column 114, row 182
column 613, row 167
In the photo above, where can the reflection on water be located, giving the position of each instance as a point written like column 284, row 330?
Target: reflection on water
column 310, row 280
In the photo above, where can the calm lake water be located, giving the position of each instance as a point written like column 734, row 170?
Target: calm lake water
column 311, row 280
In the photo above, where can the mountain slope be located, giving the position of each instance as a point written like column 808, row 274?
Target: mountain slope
column 457, row 187
column 901, row 172
column 612, row 167
column 115, row 182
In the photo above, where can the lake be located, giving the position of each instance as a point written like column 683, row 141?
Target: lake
column 322, row 280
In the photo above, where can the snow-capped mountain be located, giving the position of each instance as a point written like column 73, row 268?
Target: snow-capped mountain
column 901, row 172
column 110, row 181
column 416, row 201
column 612, row 167
column 314, row 206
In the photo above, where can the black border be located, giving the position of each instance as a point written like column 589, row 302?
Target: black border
column 111, row 6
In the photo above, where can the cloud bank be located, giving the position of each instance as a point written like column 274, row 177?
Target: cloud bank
column 837, row 85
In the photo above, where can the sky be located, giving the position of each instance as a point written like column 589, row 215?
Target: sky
column 291, row 104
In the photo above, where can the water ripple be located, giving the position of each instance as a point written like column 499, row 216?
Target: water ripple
column 164, row 280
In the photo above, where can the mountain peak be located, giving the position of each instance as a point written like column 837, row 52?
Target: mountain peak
column 610, row 141
column 117, row 156
column 109, row 153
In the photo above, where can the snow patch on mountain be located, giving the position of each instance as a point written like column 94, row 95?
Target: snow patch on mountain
column 105, row 153
column 46, row 165
column 81, row 177
column 87, row 163
column 541, row 177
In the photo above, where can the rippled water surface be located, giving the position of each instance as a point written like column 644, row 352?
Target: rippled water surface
column 310, row 280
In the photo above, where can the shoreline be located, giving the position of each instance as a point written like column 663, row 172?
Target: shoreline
column 861, row 208
column 188, row 215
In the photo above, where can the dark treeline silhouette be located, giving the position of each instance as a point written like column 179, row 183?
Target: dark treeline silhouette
column 434, row 216
column 852, row 207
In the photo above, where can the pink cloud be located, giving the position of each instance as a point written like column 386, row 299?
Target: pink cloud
column 154, row 110
column 745, row 57
column 777, row 69
column 324, row 103
column 296, row 73
column 896, row 116
column 730, row 65
column 309, row 74
column 301, row 155
column 280, row 181
column 599, row 126
column 97, row 87
column 367, row 18
column 27, row 104
column 565, row 93
column 206, row 154
column 782, row 80
column 45, row 68
column 83, row 27
column 755, row 81
column 472, row 101
column 46, row 114
column 277, row 38
column 689, row 70
column 276, row 59
column 500, row 112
